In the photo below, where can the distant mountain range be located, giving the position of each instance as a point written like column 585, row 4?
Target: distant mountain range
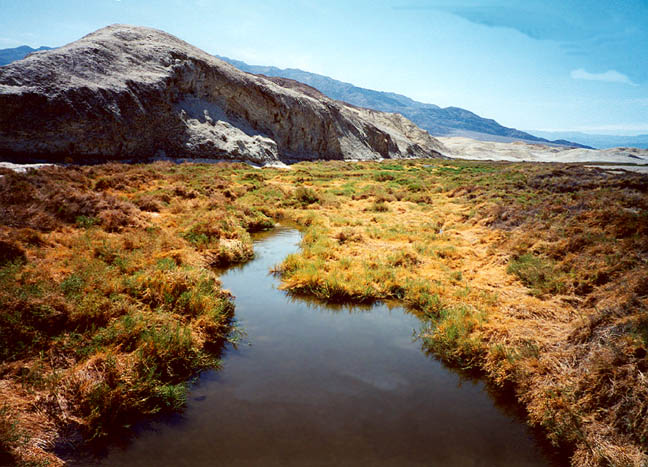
column 449, row 121
column 17, row 53
column 597, row 141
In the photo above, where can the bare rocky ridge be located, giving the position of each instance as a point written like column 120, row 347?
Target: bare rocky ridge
column 126, row 92
column 449, row 121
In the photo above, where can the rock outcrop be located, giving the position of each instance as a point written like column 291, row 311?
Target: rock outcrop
column 127, row 92
column 449, row 121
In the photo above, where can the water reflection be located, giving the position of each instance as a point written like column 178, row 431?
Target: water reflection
column 315, row 384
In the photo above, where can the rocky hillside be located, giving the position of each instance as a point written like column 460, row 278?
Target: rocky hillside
column 438, row 121
column 127, row 92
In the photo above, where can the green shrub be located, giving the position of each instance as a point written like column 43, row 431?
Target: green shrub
column 72, row 285
column 383, row 176
column 85, row 222
column 450, row 335
column 306, row 195
column 539, row 274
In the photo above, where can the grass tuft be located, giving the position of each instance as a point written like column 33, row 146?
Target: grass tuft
column 537, row 273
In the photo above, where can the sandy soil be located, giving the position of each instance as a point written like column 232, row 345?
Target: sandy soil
column 465, row 148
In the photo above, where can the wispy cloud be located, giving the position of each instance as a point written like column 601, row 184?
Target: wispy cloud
column 531, row 18
column 596, row 31
column 610, row 76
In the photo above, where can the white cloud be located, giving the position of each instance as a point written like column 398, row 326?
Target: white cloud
column 610, row 76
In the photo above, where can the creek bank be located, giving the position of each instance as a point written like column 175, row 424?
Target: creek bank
column 340, row 384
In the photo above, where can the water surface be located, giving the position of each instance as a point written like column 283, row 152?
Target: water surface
column 316, row 385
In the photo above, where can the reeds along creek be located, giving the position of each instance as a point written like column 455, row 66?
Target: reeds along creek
column 533, row 275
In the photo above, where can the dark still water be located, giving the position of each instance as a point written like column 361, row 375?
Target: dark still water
column 315, row 385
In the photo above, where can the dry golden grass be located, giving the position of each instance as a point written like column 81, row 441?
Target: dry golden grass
column 109, row 303
column 534, row 275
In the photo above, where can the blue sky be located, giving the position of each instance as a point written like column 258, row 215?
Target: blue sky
column 552, row 64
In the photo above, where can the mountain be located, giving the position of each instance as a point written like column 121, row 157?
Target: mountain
column 18, row 53
column 449, row 121
column 127, row 92
column 597, row 141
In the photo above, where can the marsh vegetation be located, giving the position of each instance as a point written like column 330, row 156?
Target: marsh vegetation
column 534, row 276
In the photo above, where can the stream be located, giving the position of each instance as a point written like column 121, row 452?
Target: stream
column 312, row 384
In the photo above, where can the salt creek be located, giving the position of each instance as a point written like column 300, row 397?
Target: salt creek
column 315, row 384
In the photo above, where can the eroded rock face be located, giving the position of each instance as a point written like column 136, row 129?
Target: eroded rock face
column 127, row 92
